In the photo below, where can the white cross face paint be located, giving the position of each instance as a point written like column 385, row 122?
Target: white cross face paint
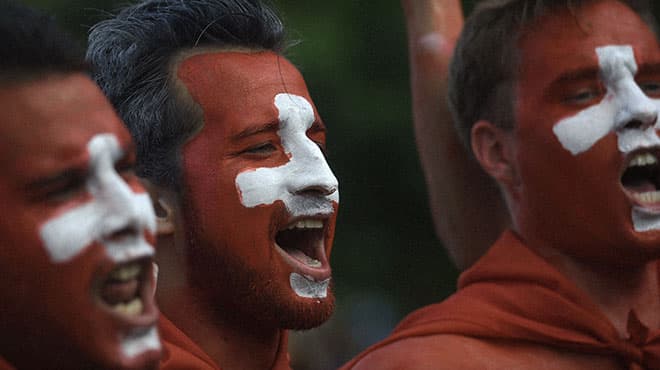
column 623, row 103
column 306, row 169
column 114, row 207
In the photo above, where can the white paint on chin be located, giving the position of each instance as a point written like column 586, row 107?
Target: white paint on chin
column 306, row 167
column 645, row 220
column 307, row 287
column 623, row 102
column 138, row 344
column 114, row 207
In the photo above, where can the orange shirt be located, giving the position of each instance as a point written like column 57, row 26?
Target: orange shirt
column 520, row 309
column 181, row 353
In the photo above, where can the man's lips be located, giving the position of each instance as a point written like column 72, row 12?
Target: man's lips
column 126, row 292
column 302, row 245
column 641, row 178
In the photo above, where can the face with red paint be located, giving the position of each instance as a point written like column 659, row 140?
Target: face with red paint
column 260, row 201
column 586, row 142
column 77, row 232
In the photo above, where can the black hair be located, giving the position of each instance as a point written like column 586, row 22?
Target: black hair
column 33, row 45
column 132, row 56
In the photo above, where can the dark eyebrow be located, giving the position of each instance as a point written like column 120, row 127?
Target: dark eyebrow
column 56, row 179
column 253, row 130
column 587, row 73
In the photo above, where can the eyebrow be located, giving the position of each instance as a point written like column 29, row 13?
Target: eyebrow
column 253, row 130
column 57, row 178
column 586, row 73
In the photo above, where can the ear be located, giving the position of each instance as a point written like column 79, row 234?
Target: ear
column 164, row 202
column 493, row 148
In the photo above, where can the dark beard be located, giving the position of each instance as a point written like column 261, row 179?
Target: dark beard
column 249, row 299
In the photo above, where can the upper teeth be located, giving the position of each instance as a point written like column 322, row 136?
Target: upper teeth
column 307, row 224
column 126, row 272
column 644, row 159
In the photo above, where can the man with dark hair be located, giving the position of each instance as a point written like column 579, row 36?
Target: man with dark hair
column 76, row 256
column 559, row 101
column 232, row 144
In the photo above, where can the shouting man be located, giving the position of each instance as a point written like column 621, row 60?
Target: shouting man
column 233, row 146
column 76, row 256
column 560, row 102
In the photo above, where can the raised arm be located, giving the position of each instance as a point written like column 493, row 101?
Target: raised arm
column 468, row 211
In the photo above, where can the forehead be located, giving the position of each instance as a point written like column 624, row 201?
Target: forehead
column 47, row 122
column 563, row 39
column 227, row 84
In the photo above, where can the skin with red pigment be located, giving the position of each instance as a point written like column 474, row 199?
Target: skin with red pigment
column 50, row 317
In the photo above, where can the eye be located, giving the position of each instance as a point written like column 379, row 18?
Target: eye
column 651, row 88
column 63, row 188
column 261, row 150
column 584, row 96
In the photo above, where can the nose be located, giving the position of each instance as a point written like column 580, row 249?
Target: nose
column 637, row 111
column 313, row 176
column 116, row 200
column 317, row 190
column 123, row 215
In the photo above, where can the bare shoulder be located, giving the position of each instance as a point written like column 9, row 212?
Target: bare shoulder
column 439, row 352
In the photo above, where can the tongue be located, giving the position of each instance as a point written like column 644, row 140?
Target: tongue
column 302, row 257
column 115, row 292
column 301, row 245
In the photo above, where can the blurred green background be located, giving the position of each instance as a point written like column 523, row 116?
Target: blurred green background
column 386, row 259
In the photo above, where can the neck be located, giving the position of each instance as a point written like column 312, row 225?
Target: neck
column 232, row 344
column 616, row 290
column 227, row 344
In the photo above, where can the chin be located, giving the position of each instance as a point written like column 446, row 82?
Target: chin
column 300, row 313
column 253, row 300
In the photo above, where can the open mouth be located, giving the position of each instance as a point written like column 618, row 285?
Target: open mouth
column 302, row 242
column 126, row 288
column 641, row 178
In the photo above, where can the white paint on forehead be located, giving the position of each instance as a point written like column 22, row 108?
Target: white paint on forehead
column 306, row 168
column 139, row 343
column 114, row 206
column 307, row 287
column 623, row 102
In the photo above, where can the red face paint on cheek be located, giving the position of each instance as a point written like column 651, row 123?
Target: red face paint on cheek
column 241, row 134
column 55, row 308
column 575, row 202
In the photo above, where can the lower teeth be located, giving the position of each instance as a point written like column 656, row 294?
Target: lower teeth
column 312, row 262
column 131, row 308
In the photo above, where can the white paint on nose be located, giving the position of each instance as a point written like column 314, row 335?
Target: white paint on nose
column 623, row 103
column 306, row 169
column 114, row 207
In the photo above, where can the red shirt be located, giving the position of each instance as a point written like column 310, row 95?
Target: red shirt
column 181, row 353
column 512, row 296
